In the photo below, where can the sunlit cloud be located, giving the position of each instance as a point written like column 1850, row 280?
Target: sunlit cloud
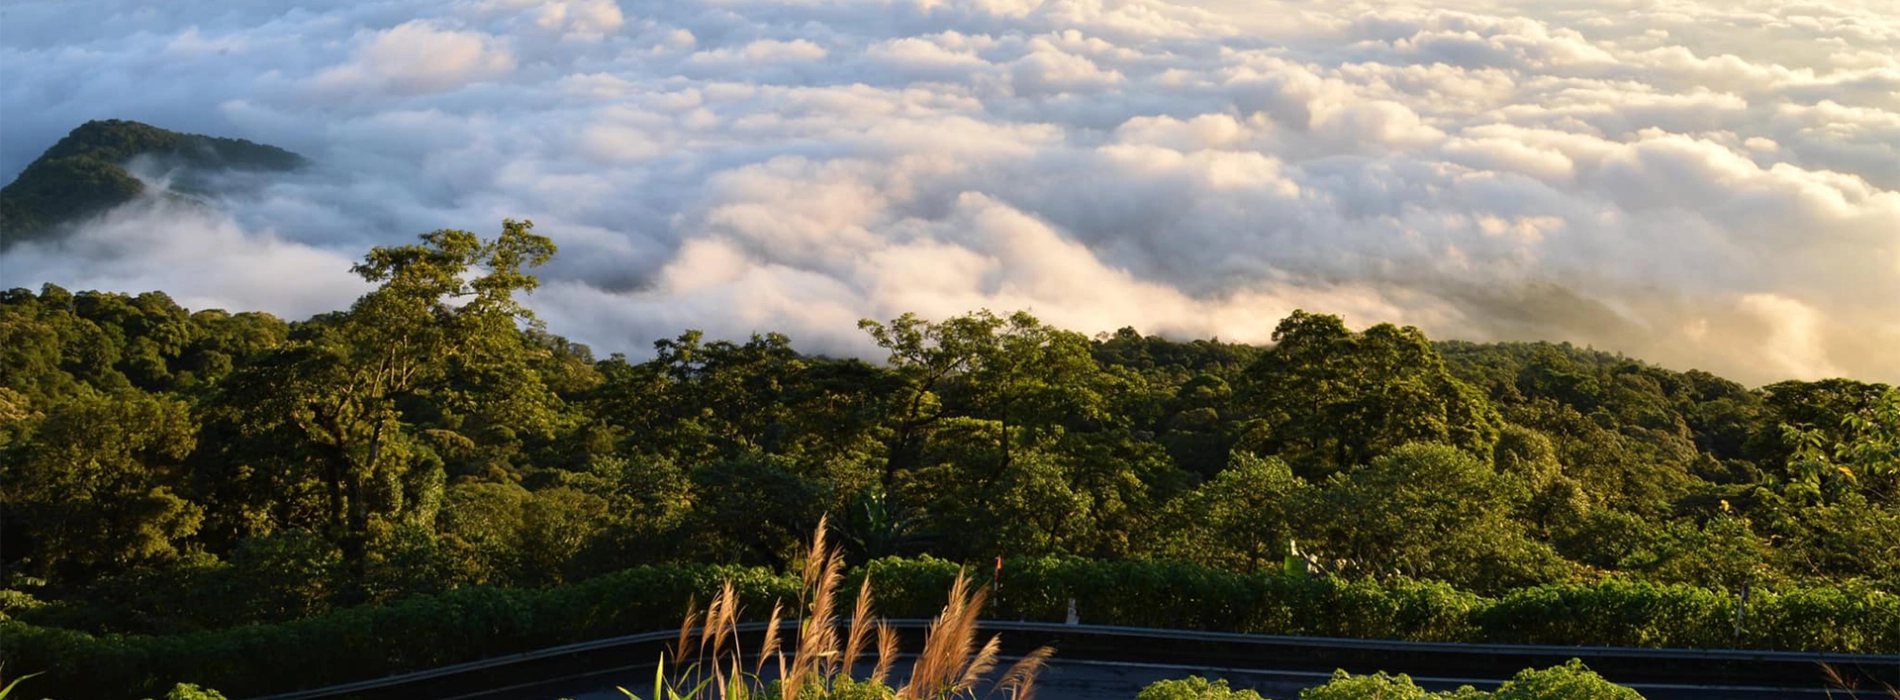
column 1711, row 185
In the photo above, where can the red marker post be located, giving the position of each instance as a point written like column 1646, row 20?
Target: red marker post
column 996, row 581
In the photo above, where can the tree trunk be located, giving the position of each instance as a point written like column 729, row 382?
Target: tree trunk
column 356, row 542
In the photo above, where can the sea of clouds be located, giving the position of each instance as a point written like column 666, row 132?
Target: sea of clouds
column 1701, row 184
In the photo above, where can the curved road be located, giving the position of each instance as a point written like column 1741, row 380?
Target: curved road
column 1114, row 663
column 1108, row 680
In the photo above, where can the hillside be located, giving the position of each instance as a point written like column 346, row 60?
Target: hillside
column 428, row 477
column 84, row 174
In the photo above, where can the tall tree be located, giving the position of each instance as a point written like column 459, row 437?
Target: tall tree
column 926, row 355
column 1244, row 519
column 443, row 318
column 1430, row 511
column 97, row 484
column 1329, row 398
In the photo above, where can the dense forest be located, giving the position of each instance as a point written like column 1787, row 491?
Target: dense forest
column 172, row 472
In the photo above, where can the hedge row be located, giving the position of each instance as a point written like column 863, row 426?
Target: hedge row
column 477, row 622
column 1612, row 612
column 368, row 642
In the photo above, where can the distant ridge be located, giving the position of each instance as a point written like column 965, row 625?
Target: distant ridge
column 84, row 174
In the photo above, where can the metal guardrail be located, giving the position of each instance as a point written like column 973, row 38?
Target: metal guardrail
column 1109, row 643
column 1449, row 647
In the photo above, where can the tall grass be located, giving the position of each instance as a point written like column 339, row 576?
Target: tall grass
column 1837, row 681
column 708, row 661
column 8, row 690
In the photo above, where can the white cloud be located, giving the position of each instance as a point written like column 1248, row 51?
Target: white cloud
column 763, row 52
column 1708, row 184
column 418, row 57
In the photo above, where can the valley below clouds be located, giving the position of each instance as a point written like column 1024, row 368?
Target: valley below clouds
column 1710, row 185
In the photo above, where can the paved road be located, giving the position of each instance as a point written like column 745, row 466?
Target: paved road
column 1114, row 663
column 1100, row 680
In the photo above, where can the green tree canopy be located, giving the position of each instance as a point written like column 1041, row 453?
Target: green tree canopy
column 1327, row 398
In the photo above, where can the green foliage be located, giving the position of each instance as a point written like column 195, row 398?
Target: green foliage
column 8, row 689
column 113, row 459
column 1571, row 681
column 1861, row 457
column 473, row 622
column 202, row 482
column 84, row 173
column 1722, row 552
column 1618, row 612
column 351, row 386
column 1432, row 511
column 187, row 691
column 1194, row 688
column 1378, row 686
column 1328, row 398
column 1245, row 519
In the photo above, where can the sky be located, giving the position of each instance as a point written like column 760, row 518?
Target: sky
column 1711, row 185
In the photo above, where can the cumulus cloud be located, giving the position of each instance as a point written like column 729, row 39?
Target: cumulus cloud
column 1703, row 184
column 416, row 57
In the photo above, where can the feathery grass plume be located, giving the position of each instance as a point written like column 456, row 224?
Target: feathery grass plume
column 683, row 648
column 859, row 635
column 1837, row 681
column 1019, row 683
column 981, row 664
column 949, row 643
column 822, row 649
column 886, row 653
column 815, row 559
column 769, row 647
column 714, row 610
column 818, row 634
column 723, row 619
column 951, row 664
column 722, row 622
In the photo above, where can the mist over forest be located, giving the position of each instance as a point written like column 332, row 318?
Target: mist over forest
column 359, row 339
column 1703, row 185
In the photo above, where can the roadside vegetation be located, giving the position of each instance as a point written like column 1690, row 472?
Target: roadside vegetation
column 1571, row 681
column 816, row 662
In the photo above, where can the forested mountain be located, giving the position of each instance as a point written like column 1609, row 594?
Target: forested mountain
column 169, row 470
column 84, row 174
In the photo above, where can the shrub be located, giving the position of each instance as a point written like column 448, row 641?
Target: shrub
column 1571, row 681
column 1378, row 686
column 187, row 691
column 1194, row 688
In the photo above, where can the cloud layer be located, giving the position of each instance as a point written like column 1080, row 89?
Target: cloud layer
column 1711, row 185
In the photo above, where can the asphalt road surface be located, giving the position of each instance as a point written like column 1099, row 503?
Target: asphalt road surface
column 1102, row 680
column 1115, row 663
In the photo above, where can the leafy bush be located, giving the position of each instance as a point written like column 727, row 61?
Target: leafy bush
column 1378, row 686
column 1614, row 612
column 1194, row 688
column 468, row 623
column 1571, row 681
column 187, row 691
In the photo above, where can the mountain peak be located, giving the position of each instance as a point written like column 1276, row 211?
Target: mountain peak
column 84, row 174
